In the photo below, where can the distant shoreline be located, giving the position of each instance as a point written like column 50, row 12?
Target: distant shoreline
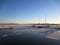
column 28, row 23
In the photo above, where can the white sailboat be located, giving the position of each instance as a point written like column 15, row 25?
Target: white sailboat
column 45, row 25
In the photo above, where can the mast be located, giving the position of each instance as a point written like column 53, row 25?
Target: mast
column 39, row 21
column 45, row 18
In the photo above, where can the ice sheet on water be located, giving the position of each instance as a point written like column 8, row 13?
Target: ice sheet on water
column 55, row 35
column 22, row 30
column 42, row 31
column 4, row 35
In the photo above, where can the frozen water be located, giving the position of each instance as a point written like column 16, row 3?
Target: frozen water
column 5, row 35
column 20, row 30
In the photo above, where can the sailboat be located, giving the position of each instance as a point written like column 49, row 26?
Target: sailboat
column 45, row 25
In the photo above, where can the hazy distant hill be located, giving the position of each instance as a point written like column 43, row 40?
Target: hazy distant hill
column 8, row 24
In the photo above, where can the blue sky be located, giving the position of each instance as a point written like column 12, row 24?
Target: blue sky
column 29, row 11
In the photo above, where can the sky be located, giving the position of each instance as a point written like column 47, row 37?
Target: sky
column 29, row 11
